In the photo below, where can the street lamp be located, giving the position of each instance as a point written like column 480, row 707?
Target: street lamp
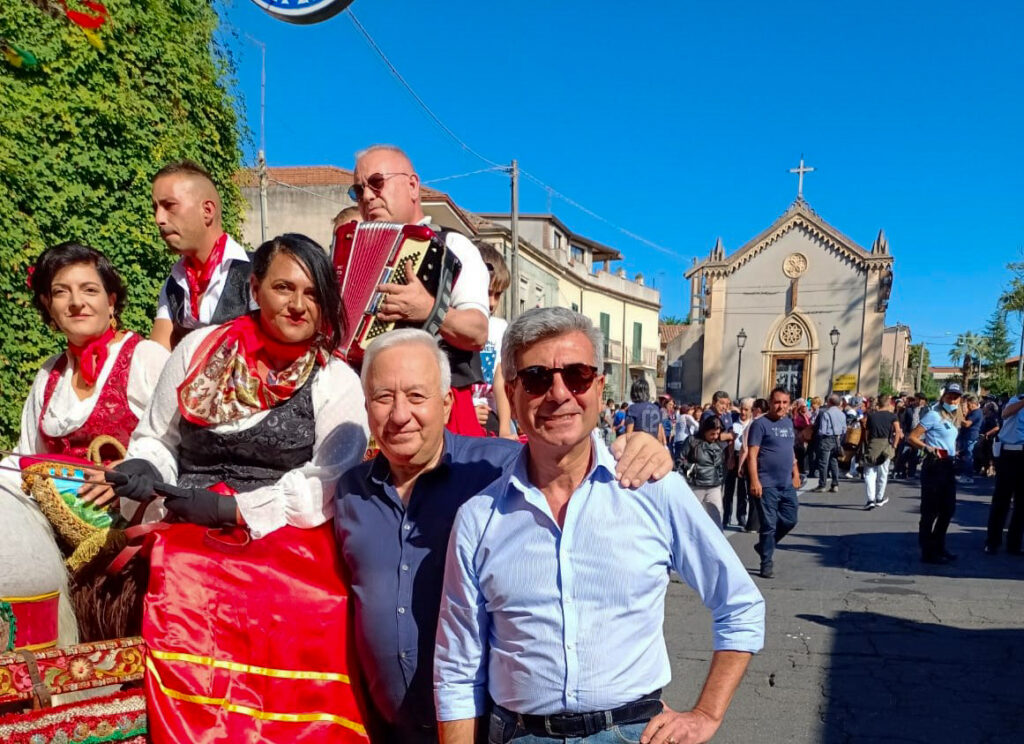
column 833, row 336
column 741, row 341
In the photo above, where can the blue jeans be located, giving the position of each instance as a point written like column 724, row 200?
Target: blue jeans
column 829, row 448
column 503, row 729
column 777, row 509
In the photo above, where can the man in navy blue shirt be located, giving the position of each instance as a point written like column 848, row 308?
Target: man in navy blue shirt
column 394, row 515
column 774, row 476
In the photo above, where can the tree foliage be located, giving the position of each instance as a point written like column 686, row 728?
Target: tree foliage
column 997, row 379
column 885, row 386
column 82, row 134
column 673, row 320
column 920, row 356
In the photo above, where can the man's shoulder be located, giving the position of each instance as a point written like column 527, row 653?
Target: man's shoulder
column 498, row 450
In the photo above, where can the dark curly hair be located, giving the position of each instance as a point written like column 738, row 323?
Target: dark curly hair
column 53, row 260
column 310, row 254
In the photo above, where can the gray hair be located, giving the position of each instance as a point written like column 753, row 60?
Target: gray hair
column 746, row 402
column 387, row 148
column 407, row 337
column 835, row 399
column 542, row 323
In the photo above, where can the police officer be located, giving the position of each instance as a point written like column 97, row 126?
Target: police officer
column 935, row 436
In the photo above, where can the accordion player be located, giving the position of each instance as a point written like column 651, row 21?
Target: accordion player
column 367, row 254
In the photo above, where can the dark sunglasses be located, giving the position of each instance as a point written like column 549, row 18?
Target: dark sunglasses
column 537, row 380
column 375, row 181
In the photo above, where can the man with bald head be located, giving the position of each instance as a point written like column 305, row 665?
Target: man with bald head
column 209, row 285
column 386, row 189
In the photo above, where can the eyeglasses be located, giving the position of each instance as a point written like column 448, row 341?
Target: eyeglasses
column 375, row 181
column 537, row 380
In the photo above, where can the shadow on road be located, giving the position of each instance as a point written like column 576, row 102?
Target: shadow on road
column 896, row 552
column 892, row 680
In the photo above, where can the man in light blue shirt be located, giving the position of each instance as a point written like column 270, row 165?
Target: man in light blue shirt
column 555, row 581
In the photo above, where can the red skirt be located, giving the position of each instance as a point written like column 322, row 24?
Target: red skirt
column 249, row 644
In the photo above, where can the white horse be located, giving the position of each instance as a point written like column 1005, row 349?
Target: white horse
column 31, row 563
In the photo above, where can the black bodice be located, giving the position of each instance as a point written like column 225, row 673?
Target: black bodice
column 255, row 457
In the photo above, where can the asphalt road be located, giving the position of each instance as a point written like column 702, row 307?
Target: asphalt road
column 864, row 642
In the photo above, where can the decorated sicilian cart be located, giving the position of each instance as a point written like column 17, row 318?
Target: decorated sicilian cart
column 53, row 689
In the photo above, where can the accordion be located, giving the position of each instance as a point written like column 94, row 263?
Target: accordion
column 367, row 254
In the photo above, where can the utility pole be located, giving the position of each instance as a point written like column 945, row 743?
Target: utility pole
column 920, row 367
column 514, row 254
column 261, row 156
column 895, row 343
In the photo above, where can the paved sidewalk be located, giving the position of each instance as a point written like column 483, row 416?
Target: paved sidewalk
column 865, row 643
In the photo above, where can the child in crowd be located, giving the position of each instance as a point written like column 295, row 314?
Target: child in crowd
column 492, row 407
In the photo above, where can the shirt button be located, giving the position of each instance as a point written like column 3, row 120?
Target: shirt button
column 403, row 654
column 405, row 566
column 401, row 610
column 568, row 645
column 406, row 527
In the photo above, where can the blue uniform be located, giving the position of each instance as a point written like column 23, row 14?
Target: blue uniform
column 939, row 432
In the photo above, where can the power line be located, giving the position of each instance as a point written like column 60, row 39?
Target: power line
column 596, row 216
column 501, row 168
column 398, row 76
column 494, row 166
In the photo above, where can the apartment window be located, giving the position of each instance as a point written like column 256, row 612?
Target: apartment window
column 606, row 330
column 638, row 331
column 575, row 308
column 578, row 254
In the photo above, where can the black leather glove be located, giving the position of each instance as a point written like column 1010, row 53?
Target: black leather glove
column 138, row 481
column 199, row 506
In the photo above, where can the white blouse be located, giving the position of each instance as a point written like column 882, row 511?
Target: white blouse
column 66, row 412
column 303, row 497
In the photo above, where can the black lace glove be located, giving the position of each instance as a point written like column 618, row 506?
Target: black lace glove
column 199, row 506
column 137, row 480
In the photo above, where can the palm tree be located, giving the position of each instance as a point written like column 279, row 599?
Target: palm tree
column 1012, row 300
column 968, row 347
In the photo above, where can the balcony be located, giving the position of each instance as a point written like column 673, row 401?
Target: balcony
column 613, row 351
column 648, row 359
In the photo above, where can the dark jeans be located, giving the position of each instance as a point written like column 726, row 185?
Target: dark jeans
column 734, row 486
column 906, row 461
column 828, row 460
column 1009, row 489
column 938, row 503
column 777, row 510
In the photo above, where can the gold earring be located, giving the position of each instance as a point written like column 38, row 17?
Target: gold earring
column 113, row 323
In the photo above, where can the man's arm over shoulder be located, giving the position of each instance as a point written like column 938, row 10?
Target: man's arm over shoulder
column 460, row 659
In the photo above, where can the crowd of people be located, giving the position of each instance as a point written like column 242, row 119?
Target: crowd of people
column 951, row 441
column 335, row 550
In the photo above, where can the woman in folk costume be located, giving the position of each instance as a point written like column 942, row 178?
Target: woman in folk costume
column 251, row 425
column 98, row 387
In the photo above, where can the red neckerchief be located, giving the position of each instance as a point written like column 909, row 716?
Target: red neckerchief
column 225, row 381
column 198, row 275
column 92, row 356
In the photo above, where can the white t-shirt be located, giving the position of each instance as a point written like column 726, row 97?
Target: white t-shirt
column 686, row 426
column 470, row 290
column 208, row 303
column 490, row 358
column 303, row 497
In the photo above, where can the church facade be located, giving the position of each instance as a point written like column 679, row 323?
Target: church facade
column 778, row 310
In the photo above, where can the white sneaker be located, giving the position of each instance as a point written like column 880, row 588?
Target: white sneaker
column 883, row 502
column 870, row 505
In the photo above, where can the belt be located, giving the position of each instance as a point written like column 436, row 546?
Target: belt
column 1012, row 447
column 586, row 724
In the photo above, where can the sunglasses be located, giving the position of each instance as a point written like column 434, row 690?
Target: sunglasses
column 375, row 181
column 537, row 380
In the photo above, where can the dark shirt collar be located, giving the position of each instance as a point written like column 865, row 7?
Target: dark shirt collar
column 380, row 470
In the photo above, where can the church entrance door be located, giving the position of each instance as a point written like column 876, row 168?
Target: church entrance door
column 789, row 372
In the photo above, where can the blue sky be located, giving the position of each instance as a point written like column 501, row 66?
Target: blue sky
column 679, row 121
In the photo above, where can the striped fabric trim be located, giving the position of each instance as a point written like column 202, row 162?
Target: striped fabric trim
column 235, row 666
column 246, row 710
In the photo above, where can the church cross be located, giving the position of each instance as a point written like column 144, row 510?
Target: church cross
column 800, row 172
